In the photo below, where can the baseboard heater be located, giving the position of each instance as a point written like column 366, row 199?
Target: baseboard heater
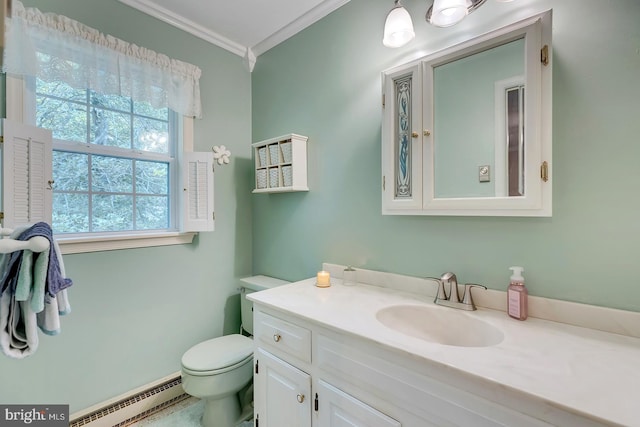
column 132, row 406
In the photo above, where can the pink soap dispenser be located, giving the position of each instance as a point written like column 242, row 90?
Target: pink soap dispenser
column 517, row 295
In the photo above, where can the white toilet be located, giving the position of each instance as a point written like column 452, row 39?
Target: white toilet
column 217, row 369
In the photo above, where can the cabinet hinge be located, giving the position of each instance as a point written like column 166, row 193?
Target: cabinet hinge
column 384, row 182
column 257, row 369
column 315, row 403
column 544, row 171
column 383, row 100
column 213, row 216
column 257, row 420
column 1, row 139
column 544, row 55
column 1, row 216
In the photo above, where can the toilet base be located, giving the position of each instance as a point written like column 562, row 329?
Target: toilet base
column 224, row 412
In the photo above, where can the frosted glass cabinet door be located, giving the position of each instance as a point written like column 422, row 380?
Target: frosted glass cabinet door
column 282, row 393
column 338, row 409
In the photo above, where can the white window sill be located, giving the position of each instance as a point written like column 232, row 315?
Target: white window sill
column 74, row 245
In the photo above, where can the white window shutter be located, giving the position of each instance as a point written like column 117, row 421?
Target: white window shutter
column 27, row 177
column 197, row 194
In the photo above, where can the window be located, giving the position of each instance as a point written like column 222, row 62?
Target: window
column 119, row 116
column 113, row 160
column 106, row 196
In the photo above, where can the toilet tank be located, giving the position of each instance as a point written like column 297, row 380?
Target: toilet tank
column 249, row 285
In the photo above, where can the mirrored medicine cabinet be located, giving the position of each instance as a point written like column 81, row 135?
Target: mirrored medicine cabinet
column 467, row 130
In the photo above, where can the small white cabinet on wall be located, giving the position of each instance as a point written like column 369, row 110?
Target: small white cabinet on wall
column 281, row 164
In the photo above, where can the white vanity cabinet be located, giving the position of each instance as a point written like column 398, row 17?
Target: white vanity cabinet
column 341, row 409
column 284, row 392
column 282, row 384
column 288, row 389
column 308, row 374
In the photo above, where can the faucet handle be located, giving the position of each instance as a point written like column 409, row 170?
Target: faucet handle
column 467, row 298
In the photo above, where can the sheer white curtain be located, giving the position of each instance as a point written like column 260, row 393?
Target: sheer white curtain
column 56, row 48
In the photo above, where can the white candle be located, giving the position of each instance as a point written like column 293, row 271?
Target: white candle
column 323, row 279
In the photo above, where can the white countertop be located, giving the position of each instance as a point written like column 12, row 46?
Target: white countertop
column 589, row 372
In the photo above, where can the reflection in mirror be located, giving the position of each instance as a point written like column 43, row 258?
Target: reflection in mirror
column 509, row 148
column 478, row 124
column 515, row 139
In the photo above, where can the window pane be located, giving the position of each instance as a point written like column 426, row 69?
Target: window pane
column 112, row 213
column 60, row 90
column 152, row 178
column 110, row 128
column 67, row 120
column 70, row 171
column 114, row 102
column 111, row 174
column 145, row 109
column 151, row 135
column 70, row 213
column 152, row 212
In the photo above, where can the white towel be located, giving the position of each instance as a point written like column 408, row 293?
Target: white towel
column 49, row 317
column 18, row 327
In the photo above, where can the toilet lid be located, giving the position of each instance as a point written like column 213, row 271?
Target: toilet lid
column 218, row 353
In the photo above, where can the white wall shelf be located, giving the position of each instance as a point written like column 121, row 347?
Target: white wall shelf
column 281, row 164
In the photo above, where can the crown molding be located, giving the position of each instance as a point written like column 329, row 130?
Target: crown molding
column 249, row 54
column 189, row 26
column 309, row 18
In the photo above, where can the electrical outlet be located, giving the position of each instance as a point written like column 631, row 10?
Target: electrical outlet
column 484, row 173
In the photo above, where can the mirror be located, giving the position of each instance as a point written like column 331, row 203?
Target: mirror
column 476, row 139
column 478, row 129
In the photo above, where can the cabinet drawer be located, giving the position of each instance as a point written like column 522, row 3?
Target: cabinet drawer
column 283, row 336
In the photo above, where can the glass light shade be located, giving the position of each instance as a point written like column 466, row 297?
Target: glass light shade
column 448, row 12
column 398, row 28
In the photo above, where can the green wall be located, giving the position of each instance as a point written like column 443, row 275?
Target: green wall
column 325, row 83
column 135, row 312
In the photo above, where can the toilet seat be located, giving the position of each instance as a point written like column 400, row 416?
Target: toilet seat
column 218, row 355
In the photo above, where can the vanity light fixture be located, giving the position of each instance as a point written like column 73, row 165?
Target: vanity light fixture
column 398, row 27
column 445, row 13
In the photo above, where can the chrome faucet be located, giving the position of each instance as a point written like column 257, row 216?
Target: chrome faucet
column 453, row 298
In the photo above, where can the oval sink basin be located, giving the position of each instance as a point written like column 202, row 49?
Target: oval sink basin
column 440, row 325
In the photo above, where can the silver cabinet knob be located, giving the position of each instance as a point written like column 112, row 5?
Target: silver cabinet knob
column 300, row 398
column 277, row 337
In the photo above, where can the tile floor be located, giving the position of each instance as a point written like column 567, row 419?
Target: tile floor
column 187, row 413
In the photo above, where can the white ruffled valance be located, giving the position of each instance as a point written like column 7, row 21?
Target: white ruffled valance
column 56, row 48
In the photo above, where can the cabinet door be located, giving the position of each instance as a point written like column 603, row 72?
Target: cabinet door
column 282, row 393
column 338, row 409
column 402, row 137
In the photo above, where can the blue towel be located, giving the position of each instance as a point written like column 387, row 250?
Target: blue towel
column 10, row 266
column 55, row 281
